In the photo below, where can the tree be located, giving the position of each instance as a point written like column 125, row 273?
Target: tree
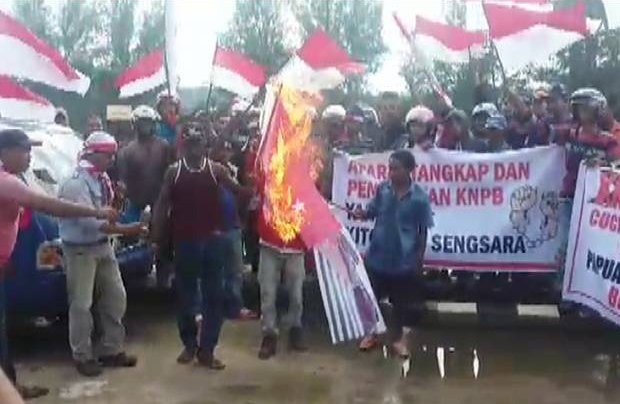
column 121, row 32
column 151, row 33
column 37, row 16
column 258, row 31
column 78, row 29
column 356, row 25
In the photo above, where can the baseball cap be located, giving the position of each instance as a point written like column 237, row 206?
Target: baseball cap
column 13, row 138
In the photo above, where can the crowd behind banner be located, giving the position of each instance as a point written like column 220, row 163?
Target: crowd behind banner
column 494, row 209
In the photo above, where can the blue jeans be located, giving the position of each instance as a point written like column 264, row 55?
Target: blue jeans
column 5, row 358
column 233, row 273
column 200, row 260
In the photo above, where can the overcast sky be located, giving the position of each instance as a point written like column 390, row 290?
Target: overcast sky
column 200, row 22
column 204, row 19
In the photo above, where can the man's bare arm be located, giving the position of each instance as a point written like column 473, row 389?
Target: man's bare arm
column 59, row 208
column 223, row 176
column 162, row 207
column 8, row 394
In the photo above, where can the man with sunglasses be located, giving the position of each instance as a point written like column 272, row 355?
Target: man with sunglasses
column 15, row 148
column 91, row 263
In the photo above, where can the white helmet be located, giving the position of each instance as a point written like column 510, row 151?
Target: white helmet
column 419, row 114
column 100, row 142
column 334, row 112
column 165, row 95
column 144, row 112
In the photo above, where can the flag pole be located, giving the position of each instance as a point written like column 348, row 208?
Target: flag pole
column 261, row 146
column 494, row 49
column 211, row 80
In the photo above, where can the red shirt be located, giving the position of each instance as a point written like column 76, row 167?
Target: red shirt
column 13, row 195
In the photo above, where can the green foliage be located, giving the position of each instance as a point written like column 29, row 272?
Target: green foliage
column 37, row 16
column 356, row 25
column 258, row 30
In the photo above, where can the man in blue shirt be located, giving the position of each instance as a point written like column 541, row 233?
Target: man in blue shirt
column 403, row 215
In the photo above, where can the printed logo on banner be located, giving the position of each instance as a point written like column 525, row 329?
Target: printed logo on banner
column 592, row 271
column 535, row 215
column 497, row 211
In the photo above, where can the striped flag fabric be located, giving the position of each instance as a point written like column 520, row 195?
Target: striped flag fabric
column 26, row 56
column 237, row 73
column 445, row 42
column 319, row 64
column 148, row 73
column 475, row 18
column 17, row 102
column 350, row 305
column 423, row 59
column 522, row 36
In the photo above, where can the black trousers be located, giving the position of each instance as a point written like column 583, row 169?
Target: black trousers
column 5, row 358
column 406, row 294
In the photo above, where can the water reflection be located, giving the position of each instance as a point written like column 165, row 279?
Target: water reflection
column 582, row 360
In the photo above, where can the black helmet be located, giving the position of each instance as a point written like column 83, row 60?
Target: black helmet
column 589, row 96
column 558, row 91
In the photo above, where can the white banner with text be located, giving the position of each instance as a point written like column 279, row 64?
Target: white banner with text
column 592, row 271
column 492, row 212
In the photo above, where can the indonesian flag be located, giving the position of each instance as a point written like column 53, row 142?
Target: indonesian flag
column 420, row 56
column 445, row 42
column 475, row 18
column 318, row 65
column 522, row 36
column 28, row 57
column 148, row 73
column 17, row 102
column 236, row 73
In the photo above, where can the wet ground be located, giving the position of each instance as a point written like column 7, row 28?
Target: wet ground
column 546, row 364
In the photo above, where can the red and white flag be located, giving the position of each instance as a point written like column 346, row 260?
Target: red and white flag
column 26, row 56
column 318, row 65
column 475, row 18
column 236, row 73
column 445, row 42
column 523, row 36
column 423, row 60
column 17, row 102
column 148, row 73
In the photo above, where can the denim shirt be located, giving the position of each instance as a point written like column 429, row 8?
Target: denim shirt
column 84, row 189
column 394, row 238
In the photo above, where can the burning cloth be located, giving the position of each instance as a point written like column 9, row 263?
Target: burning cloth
column 294, row 209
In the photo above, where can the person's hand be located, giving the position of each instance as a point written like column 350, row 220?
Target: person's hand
column 137, row 230
column 593, row 162
column 426, row 145
column 109, row 214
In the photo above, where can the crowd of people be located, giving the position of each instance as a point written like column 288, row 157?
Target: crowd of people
column 198, row 180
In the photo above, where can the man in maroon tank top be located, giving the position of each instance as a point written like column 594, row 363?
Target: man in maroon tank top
column 190, row 203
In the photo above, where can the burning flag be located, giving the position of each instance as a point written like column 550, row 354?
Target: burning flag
column 296, row 215
column 293, row 207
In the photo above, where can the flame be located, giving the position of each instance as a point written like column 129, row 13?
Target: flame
column 285, row 214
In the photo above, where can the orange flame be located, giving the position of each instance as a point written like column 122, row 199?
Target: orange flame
column 286, row 215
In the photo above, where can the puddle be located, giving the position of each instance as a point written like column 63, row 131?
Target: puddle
column 83, row 389
column 588, row 361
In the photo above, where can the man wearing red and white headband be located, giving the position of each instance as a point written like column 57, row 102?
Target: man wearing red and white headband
column 91, row 263
column 15, row 195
